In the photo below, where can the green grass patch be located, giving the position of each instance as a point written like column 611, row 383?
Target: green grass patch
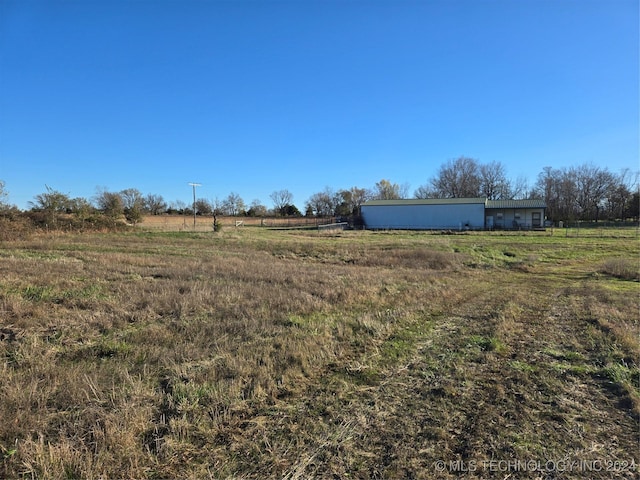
column 488, row 344
column 107, row 348
column 38, row 293
column 623, row 374
column 522, row 366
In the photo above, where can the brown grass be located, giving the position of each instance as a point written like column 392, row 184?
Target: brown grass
column 184, row 223
column 259, row 354
column 624, row 268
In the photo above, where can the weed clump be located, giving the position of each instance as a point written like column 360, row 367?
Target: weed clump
column 622, row 268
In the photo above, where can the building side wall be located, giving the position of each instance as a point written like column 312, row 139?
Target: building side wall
column 424, row 217
column 510, row 218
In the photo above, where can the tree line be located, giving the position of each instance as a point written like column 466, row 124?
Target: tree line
column 585, row 192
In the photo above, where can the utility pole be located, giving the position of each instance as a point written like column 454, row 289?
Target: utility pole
column 194, row 185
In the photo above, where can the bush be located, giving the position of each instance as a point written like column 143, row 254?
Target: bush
column 68, row 222
column 14, row 226
column 623, row 268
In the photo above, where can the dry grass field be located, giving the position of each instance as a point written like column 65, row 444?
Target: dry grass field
column 253, row 353
column 184, row 223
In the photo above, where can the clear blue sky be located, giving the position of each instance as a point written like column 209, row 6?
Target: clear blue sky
column 257, row 96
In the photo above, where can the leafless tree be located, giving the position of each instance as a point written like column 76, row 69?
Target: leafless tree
column 233, row 204
column 3, row 195
column 155, row 204
column 257, row 209
column 281, row 199
column 457, row 178
column 177, row 206
column 520, row 188
column 593, row 186
column 563, row 200
column 425, row 191
column 323, row 204
column 582, row 192
column 493, row 181
column 203, row 206
column 217, row 207
column 133, row 204
column 620, row 200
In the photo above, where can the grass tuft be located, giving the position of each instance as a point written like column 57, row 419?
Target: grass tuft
column 623, row 268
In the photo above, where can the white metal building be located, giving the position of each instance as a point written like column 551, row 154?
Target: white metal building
column 453, row 214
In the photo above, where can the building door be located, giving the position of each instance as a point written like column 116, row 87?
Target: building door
column 535, row 219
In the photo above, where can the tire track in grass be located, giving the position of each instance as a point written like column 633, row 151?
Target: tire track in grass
column 480, row 390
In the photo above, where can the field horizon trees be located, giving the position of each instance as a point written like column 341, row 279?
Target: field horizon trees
column 289, row 353
column 584, row 192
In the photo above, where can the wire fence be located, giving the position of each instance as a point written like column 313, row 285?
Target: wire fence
column 178, row 223
column 597, row 229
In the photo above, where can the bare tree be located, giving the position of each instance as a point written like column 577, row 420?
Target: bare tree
column 617, row 201
column 203, row 207
column 548, row 186
column 620, row 198
column 572, row 193
column 458, row 179
column 217, row 207
column 281, row 200
column 633, row 210
column 234, row 205
column 177, row 206
column 257, row 209
column 593, row 186
column 493, row 181
column 4, row 195
column 315, row 204
column 520, row 188
column 323, row 204
column 155, row 204
column 425, row 191
column 466, row 177
column 133, row 204
column 5, row 207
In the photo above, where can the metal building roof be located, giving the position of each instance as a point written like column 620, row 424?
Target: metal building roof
column 425, row 201
column 536, row 203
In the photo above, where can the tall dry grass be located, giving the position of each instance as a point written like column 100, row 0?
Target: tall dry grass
column 291, row 355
